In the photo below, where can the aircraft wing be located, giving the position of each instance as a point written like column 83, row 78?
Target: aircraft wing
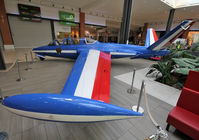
column 90, row 76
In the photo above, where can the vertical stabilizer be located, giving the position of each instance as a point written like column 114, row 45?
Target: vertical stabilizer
column 151, row 37
column 172, row 35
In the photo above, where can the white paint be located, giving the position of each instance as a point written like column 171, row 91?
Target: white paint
column 152, row 40
column 67, row 118
column 54, row 51
column 118, row 53
column 158, row 90
column 87, row 78
column 9, row 47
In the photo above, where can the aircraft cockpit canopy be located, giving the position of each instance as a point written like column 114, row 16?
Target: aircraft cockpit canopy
column 73, row 41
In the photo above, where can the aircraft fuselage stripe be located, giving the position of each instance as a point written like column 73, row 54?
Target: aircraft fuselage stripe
column 118, row 53
column 87, row 78
column 54, row 51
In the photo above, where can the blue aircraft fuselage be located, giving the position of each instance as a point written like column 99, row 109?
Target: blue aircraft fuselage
column 116, row 50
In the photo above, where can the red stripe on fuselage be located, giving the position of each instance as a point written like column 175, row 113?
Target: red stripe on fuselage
column 154, row 35
column 101, row 89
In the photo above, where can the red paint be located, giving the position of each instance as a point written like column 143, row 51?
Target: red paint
column 101, row 89
column 154, row 35
column 185, row 115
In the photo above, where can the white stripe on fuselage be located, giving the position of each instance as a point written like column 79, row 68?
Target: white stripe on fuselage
column 67, row 118
column 118, row 53
column 74, row 51
column 54, row 51
column 86, row 82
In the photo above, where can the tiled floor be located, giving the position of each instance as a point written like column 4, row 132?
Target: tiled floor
column 49, row 77
column 161, row 91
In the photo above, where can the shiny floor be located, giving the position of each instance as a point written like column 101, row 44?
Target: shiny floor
column 49, row 76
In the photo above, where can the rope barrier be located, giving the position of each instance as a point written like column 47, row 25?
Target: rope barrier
column 13, row 64
column 160, row 132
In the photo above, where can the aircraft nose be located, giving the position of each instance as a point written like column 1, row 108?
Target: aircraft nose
column 34, row 49
column 38, row 48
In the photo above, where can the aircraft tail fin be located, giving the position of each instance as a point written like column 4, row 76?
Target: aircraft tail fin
column 151, row 37
column 172, row 35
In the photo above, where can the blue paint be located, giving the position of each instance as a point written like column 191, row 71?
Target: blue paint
column 64, row 105
column 71, row 84
column 147, row 41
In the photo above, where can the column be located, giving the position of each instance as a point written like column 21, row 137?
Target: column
column 4, row 27
column 52, row 29
column 2, row 63
column 126, row 21
column 170, row 20
column 144, row 31
column 82, row 23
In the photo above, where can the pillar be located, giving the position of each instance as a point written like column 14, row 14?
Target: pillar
column 144, row 32
column 4, row 27
column 52, row 29
column 170, row 20
column 126, row 21
column 82, row 23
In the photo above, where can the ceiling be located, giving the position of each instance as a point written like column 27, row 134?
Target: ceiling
column 143, row 10
column 181, row 3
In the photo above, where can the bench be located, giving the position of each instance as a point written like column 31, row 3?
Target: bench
column 185, row 115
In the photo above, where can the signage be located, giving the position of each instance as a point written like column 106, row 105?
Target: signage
column 28, row 12
column 65, row 16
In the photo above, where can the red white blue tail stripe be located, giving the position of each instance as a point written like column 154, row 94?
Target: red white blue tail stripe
column 151, row 37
